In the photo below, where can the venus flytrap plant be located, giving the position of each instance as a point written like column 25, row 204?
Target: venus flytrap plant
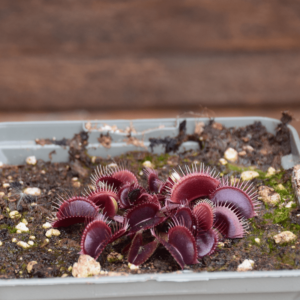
column 200, row 208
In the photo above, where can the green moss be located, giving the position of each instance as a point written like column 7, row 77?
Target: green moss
column 11, row 229
column 281, row 216
column 186, row 160
column 268, row 216
column 163, row 157
column 236, row 168
column 271, row 245
column 288, row 259
column 294, row 227
column 148, row 157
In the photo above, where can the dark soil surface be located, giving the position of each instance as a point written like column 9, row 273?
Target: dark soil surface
column 55, row 257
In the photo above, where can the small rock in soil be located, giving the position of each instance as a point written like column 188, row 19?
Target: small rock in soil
column 246, row 265
column 33, row 191
column 231, row 155
column 30, row 265
column 85, row 267
column 284, row 237
column 249, row 175
column 268, row 195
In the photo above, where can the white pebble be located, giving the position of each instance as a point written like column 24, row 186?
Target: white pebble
column 51, row 232
column 22, row 227
column 14, row 214
column 246, row 265
column 32, row 237
column 31, row 243
column 112, row 165
column 24, row 221
column 243, row 153
column 132, row 266
column 33, row 191
column 271, row 172
column 85, row 267
column 76, row 184
column 31, row 160
column 148, row 164
column 248, row 175
column 268, row 195
column 23, row 244
column 289, row 204
column 6, row 185
column 280, row 187
column 231, row 155
column 18, row 231
column 223, row 161
column 47, row 225
column 248, row 148
column 75, row 179
column 257, row 240
column 1, row 243
column 220, row 245
column 284, row 237
column 14, row 240
column 49, row 250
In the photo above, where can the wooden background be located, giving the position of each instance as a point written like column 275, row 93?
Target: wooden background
column 136, row 54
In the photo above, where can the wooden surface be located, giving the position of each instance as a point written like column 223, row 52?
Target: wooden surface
column 96, row 54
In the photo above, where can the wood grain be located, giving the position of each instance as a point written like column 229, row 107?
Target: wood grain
column 124, row 82
column 103, row 27
column 103, row 54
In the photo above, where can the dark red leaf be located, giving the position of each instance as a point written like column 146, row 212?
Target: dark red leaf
column 204, row 215
column 106, row 200
column 206, row 242
column 193, row 186
column 228, row 223
column 95, row 238
column 143, row 216
column 154, row 183
column 109, row 180
column 125, row 176
column 186, row 217
column 237, row 197
column 173, row 250
column 139, row 253
column 183, row 240
column 75, row 210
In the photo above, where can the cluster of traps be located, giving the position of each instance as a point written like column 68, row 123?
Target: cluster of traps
column 189, row 213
